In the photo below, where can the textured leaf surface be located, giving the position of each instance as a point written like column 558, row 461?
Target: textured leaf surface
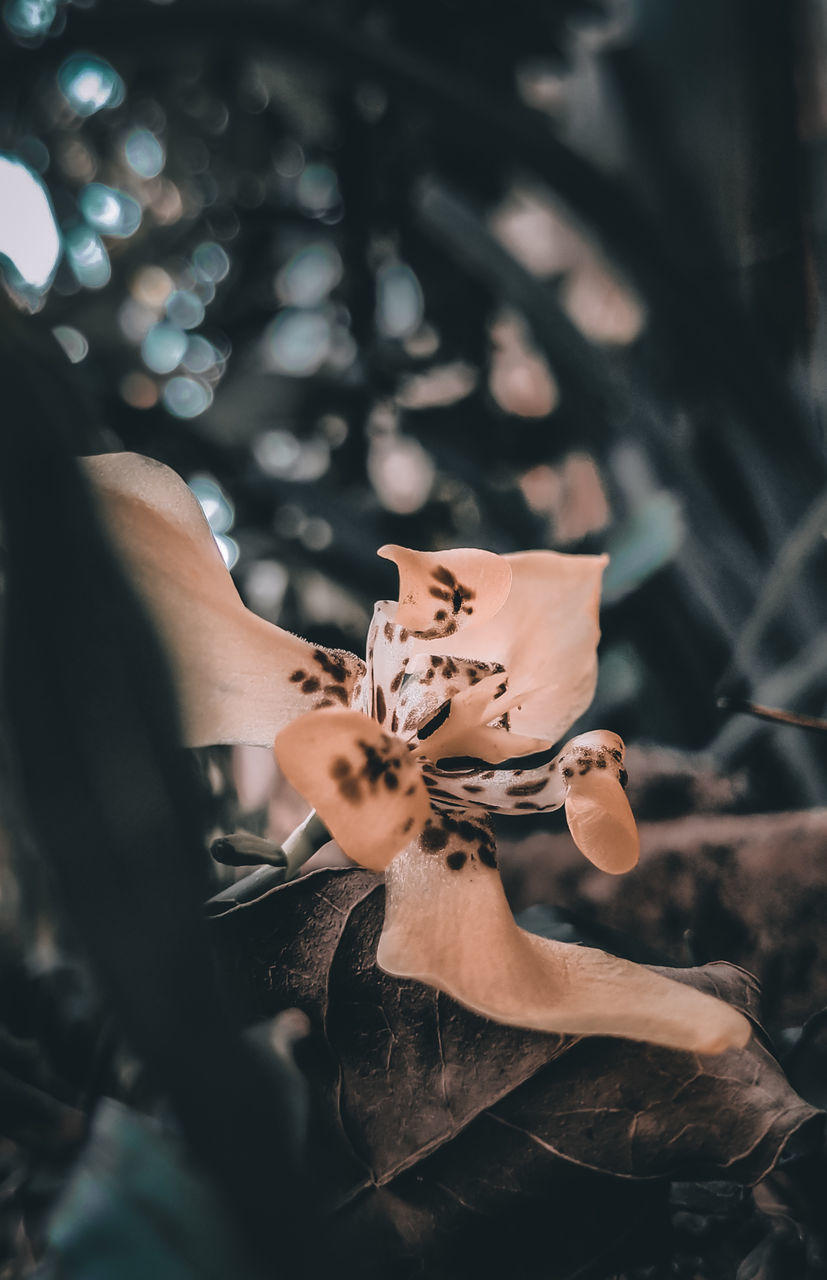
column 450, row 1116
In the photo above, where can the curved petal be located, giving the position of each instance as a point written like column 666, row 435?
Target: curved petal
column 465, row 733
column 546, row 638
column 443, row 591
column 597, row 811
column 432, row 693
column 390, row 650
column 239, row 678
column 407, row 688
column 447, row 923
column 508, row 791
column 364, row 783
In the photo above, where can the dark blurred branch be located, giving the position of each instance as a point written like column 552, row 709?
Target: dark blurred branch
column 711, row 334
column 775, row 714
column 804, row 677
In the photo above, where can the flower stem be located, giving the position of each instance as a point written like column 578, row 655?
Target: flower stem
column 306, row 840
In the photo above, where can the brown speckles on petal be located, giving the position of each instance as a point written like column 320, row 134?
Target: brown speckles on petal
column 333, row 665
column 527, row 788
column 338, row 692
column 487, row 854
column 381, row 706
column 341, row 771
column 456, row 859
column 311, row 685
column 444, row 575
column 433, row 838
column 297, row 676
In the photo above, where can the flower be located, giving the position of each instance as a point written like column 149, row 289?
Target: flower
column 471, row 678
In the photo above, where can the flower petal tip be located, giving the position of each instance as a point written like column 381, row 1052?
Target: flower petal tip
column 600, row 820
column 734, row 1033
column 363, row 782
column 442, row 591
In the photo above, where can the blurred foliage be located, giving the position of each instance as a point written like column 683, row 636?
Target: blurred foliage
column 536, row 275
column 450, row 274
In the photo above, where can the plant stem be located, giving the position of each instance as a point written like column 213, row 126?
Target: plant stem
column 306, row 840
column 773, row 713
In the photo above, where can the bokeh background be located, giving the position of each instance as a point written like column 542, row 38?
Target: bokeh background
column 451, row 274
column 463, row 273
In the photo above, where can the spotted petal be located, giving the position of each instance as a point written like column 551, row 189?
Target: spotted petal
column 408, row 688
column 512, row 791
column 363, row 782
column 597, row 811
column 443, row 591
column 546, row 637
column 239, row 678
column 447, row 923
column 587, row 776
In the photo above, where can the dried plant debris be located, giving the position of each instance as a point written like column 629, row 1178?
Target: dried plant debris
column 454, row 1126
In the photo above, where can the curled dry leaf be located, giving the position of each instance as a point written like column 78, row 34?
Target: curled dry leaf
column 444, row 1115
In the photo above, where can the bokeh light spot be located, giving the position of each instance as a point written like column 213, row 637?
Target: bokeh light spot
column 318, row 188
column 401, row 472
column 111, row 212
column 139, row 391
column 163, row 347
column 265, row 586
column 309, row 276
column 144, row 153
column 316, row 534
column 200, row 355
column 89, row 84
column 29, row 238
column 186, row 398
column 151, row 286
column 228, row 548
column 297, row 342
column 26, row 18
column 210, row 262
column 216, row 505
column 276, row 451
column 87, row 257
column 185, row 309
column 399, row 301
column 73, row 342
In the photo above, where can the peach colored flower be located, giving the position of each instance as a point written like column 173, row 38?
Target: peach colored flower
column 471, row 678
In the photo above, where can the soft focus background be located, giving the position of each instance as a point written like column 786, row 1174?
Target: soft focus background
column 452, row 274
column 464, row 273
